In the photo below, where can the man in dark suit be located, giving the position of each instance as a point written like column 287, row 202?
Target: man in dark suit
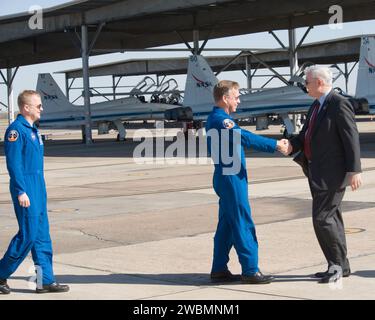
column 329, row 141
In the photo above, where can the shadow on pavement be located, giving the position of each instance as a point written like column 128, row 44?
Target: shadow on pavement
column 194, row 279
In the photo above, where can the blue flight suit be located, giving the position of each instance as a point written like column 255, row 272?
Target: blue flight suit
column 24, row 158
column 235, row 227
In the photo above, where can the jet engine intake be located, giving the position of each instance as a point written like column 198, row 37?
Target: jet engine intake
column 179, row 114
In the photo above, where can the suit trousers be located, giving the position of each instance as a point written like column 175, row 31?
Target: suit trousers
column 329, row 225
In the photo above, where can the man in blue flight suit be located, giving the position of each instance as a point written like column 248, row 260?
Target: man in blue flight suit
column 24, row 158
column 226, row 142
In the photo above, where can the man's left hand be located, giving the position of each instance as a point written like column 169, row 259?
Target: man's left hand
column 355, row 181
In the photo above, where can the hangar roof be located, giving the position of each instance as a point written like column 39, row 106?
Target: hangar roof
column 133, row 24
column 324, row 52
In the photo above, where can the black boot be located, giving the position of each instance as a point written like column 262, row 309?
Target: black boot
column 53, row 287
column 4, row 288
column 257, row 278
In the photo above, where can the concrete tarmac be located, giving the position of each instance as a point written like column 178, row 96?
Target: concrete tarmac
column 123, row 230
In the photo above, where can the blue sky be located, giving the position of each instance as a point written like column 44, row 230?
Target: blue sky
column 27, row 75
column 11, row 7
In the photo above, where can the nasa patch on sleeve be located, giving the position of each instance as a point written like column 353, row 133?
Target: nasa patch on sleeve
column 228, row 123
column 13, row 135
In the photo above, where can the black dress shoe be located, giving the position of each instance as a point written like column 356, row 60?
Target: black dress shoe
column 345, row 274
column 331, row 277
column 224, row 276
column 321, row 274
column 4, row 288
column 257, row 278
column 53, row 287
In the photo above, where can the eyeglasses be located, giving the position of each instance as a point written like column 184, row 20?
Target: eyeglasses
column 38, row 106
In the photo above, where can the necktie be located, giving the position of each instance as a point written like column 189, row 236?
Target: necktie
column 309, row 131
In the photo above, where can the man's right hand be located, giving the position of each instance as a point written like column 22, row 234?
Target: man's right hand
column 284, row 147
column 24, row 200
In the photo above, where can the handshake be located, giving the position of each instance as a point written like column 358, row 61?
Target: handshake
column 284, row 146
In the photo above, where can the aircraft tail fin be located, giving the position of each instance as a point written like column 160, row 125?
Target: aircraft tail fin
column 366, row 68
column 200, row 82
column 53, row 98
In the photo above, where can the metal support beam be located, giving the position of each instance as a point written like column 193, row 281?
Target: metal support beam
column 157, row 81
column 73, row 103
column 2, row 75
column 162, row 80
column 11, row 73
column 293, row 63
column 253, row 74
column 67, row 86
column 74, row 37
column 196, row 41
column 346, row 77
column 8, row 81
column 268, row 67
column 267, row 82
column 293, row 58
column 10, row 77
column 70, row 88
column 277, row 39
column 304, row 37
column 339, row 74
column 345, row 73
column 182, row 39
column 353, row 67
column 189, row 48
column 205, row 41
column 97, row 33
column 248, row 71
column 114, row 87
column 86, row 84
column 86, row 48
column 203, row 46
column 229, row 63
column 99, row 94
column 14, row 74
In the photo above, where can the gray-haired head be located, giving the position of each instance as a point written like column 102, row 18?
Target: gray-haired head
column 320, row 72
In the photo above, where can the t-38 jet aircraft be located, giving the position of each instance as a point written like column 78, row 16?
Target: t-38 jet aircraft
column 60, row 113
column 275, row 101
column 366, row 72
column 198, row 100
column 280, row 101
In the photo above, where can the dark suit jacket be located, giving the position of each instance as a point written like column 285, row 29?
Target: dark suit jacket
column 335, row 149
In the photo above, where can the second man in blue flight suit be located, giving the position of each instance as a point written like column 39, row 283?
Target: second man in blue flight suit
column 24, row 158
column 226, row 142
